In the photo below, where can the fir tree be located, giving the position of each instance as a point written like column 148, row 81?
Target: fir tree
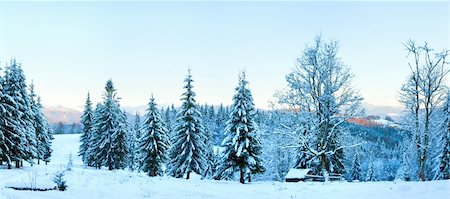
column 43, row 135
column 187, row 152
column 93, row 139
column 221, row 123
column 111, row 129
column 133, row 144
column 154, row 141
column 211, row 160
column 49, row 151
column 242, row 146
column 370, row 172
column 406, row 168
column 16, row 98
column 208, row 119
column 10, row 138
column 356, row 168
column 442, row 171
column 86, row 121
column 168, row 121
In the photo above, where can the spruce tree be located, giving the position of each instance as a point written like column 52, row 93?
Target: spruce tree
column 43, row 135
column 187, row 152
column 356, row 168
column 370, row 172
column 2, row 136
column 111, row 129
column 221, row 123
column 211, row 159
column 10, row 137
column 94, row 138
column 86, row 121
column 133, row 144
column 167, row 116
column 154, row 141
column 17, row 97
column 442, row 170
column 208, row 119
column 406, row 168
column 242, row 146
column 48, row 150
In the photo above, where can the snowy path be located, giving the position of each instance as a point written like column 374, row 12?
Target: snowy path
column 93, row 183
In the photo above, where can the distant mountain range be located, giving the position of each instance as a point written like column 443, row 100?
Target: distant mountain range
column 394, row 112
column 373, row 121
column 60, row 114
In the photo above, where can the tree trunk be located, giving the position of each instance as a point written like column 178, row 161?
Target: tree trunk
column 188, row 175
column 417, row 138
column 38, row 161
column 9, row 165
column 424, row 155
column 152, row 173
column 21, row 163
column 241, row 179
column 17, row 164
column 249, row 177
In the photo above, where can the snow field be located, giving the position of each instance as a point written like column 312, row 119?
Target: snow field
column 93, row 183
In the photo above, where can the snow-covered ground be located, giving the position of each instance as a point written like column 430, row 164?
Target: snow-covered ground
column 94, row 183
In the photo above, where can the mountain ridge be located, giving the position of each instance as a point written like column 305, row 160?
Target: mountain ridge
column 60, row 114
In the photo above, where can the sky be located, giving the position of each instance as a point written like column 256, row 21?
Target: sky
column 71, row 48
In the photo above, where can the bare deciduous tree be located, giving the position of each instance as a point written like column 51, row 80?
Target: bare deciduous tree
column 320, row 89
column 423, row 92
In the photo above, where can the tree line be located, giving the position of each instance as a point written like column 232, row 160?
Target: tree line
column 187, row 148
column 307, row 129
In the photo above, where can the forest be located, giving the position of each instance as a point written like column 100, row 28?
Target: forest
column 307, row 128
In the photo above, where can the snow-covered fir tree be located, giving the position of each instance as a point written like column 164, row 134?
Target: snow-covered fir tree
column 370, row 175
column 356, row 168
column 211, row 158
column 442, row 168
column 406, row 168
column 87, row 122
column 10, row 138
column 110, row 128
column 43, row 135
column 48, row 153
column 170, row 115
column 304, row 124
column 94, row 137
column 154, row 142
column 208, row 118
column 187, row 153
column 166, row 116
column 221, row 123
column 133, row 144
column 242, row 146
column 20, row 124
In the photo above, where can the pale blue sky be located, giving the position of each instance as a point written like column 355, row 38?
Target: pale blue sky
column 71, row 48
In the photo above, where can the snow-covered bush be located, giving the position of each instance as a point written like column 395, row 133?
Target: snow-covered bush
column 59, row 180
